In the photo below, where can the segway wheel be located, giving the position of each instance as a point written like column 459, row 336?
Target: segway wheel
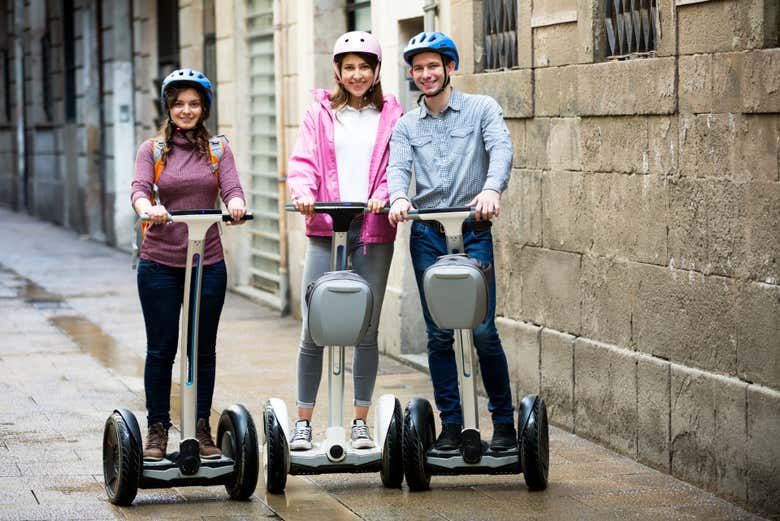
column 237, row 438
column 419, row 434
column 392, row 471
column 274, row 452
column 534, row 443
column 122, row 461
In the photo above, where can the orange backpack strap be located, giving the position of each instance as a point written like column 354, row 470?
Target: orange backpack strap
column 157, row 150
column 216, row 151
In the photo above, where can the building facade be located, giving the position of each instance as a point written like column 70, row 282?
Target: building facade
column 638, row 250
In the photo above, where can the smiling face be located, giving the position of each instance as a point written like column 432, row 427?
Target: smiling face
column 428, row 70
column 357, row 75
column 186, row 109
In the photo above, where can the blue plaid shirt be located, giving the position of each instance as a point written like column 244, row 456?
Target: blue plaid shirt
column 456, row 154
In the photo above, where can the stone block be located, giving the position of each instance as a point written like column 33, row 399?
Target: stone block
column 525, row 37
column 522, row 344
column 563, row 147
column 708, row 431
column 646, row 145
column 555, row 91
column 566, row 214
column 628, row 216
column 513, row 90
column 653, row 385
column 508, row 277
column 550, row 288
column 529, row 139
column 666, row 43
column 758, row 334
column 760, row 82
column 610, row 89
column 521, row 209
column 686, row 317
column 552, row 45
column 742, row 147
column 609, row 289
column 763, row 451
column 605, row 394
column 557, row 383
column 225, row 19
column 711, row 82
column 725, row 25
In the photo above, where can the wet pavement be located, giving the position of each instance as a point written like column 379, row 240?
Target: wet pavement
column 72, row 349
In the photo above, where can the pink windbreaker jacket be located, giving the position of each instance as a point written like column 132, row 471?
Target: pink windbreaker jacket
column 312, row 166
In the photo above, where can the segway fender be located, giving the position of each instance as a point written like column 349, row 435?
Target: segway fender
column 383, row 415
column 280, row 411
column 526, row 408
column 132, row 425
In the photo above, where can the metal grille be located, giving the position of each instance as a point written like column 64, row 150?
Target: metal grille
column 264, row 178
column 631, row 26
column 499, row 22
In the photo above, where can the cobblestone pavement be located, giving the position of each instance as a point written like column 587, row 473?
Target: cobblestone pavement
column 73, row 348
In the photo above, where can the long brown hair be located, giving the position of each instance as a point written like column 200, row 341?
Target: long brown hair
column 200, row 134
column 339, row 97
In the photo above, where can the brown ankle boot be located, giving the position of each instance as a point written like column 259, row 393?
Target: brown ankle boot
column 156, row 442
column 207, row 448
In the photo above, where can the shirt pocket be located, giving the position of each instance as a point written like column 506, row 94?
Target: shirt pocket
column 424, row 152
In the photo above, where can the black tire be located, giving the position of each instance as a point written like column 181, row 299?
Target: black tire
column 275, row 452
column 534, row 445
column 419, row 433
column 237, row 438
column 122, row 461
column 392, row 471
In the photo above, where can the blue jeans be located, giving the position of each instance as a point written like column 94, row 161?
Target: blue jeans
column 161, row 290
column 426, row 245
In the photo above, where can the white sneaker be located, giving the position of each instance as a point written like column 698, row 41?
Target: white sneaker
column 360, row 437
column 301, row 438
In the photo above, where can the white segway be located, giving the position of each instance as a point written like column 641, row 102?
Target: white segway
column 124, row 470
column 456, row 290
column 339, row 305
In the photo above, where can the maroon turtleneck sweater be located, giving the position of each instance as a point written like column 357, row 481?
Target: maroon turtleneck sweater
column 186, row 183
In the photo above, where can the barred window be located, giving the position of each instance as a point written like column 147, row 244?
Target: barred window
column 499, row 22
column 631, row 26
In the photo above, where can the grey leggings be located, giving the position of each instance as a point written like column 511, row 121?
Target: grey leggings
column 373, row 264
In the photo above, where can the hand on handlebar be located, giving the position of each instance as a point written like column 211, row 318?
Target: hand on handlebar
column 375, row 205
column 304, row 204
column 237, row 209
column 486, row 205
column 399, row 211
column 157, row 214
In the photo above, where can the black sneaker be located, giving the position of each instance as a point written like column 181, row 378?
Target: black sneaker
column 504, row 436
column 449, row 438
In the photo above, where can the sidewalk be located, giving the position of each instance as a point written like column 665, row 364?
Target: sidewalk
column 72, row 349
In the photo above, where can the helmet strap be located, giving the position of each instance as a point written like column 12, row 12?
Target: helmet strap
column 443, row 85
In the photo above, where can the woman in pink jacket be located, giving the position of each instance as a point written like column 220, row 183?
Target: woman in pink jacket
column 341, row 155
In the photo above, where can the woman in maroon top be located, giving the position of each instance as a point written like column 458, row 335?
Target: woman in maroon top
column 186, row 182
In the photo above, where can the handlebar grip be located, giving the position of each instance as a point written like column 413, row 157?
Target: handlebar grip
column 247, row 217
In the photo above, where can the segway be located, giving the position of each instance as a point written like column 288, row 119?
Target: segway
column 339, row 303
column 124, row 469
column 456, row 290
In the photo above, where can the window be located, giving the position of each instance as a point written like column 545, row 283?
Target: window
column 69, row 43
column 358, row 15
column 631, row 27
column 46, row 80
column 499, row 23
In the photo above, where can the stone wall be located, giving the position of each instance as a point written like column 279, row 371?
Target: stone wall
column 638, row 252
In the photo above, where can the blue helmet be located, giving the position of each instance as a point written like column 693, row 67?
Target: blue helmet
column 187, row 78
column 431, row 42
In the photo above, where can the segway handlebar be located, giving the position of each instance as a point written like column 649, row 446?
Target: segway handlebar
column 172, row 216
column 327, row 207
